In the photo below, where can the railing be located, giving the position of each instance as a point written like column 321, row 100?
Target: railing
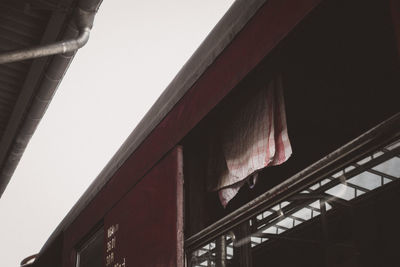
column 361, row 166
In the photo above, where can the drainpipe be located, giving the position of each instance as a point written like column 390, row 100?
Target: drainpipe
column 84, row 22
column 47, row 50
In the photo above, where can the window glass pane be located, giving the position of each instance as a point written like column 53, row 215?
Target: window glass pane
column 90, row 254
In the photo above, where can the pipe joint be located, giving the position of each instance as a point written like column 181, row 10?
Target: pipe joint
column 84, row 19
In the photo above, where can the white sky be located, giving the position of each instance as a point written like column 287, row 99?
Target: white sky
column 135, row 49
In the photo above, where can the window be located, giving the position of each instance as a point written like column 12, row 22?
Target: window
column 346, row 212
column 90, row 253
column 347, row 217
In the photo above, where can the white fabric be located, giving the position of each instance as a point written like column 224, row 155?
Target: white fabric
column 251, row 139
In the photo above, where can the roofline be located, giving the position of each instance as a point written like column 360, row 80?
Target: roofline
column 34, row 100
column 238, row 15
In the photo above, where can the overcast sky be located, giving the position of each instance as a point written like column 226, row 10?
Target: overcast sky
column 135, row 50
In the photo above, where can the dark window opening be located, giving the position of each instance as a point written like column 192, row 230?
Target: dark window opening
column 340, row 78
column 347, row 218
column 91, row 252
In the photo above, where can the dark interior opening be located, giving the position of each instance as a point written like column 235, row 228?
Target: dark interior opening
column 365, row 234
column 91, row 252
column 341, row 77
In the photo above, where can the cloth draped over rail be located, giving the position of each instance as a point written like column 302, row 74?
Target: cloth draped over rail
column 250, row 137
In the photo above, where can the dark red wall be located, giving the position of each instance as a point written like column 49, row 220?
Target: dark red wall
column 141, row 200
column 265, row 30
column 148, row 218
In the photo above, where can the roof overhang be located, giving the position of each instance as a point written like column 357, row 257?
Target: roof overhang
column 27, row 87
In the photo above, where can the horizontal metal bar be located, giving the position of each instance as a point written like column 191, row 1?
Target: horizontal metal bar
column 283, row 237
column 385, row 175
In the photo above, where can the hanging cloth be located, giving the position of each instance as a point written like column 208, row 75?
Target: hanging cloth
column 250, row 138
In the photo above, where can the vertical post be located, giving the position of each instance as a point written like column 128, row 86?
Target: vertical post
column 180, row 254
column 242, row 251
column 220, row 247
column 325, row 235
column 355, row 233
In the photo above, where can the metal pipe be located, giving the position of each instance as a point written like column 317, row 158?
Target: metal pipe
column 60, row 47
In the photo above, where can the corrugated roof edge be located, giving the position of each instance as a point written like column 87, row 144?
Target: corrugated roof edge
column 49, row 83
column 217, row 40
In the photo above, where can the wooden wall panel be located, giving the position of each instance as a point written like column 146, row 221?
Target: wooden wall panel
column 145, row 227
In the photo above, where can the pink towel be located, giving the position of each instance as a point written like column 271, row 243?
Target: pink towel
column 251, row 139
